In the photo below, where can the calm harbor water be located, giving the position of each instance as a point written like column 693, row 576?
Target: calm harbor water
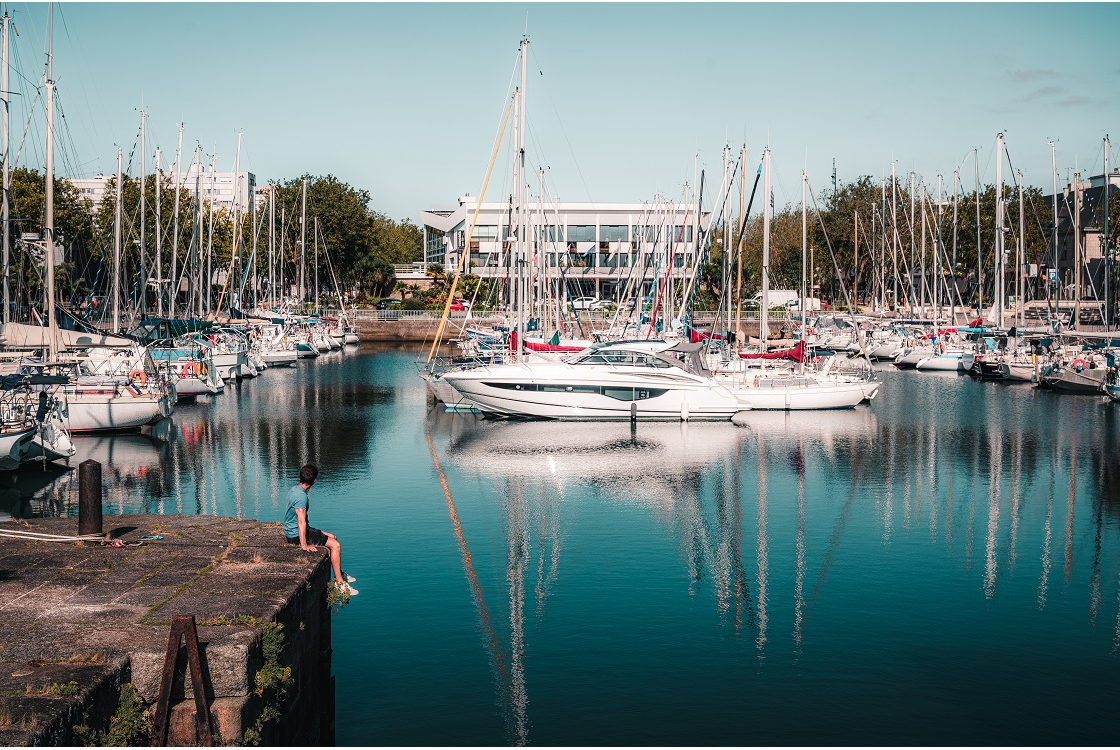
column 941, row 567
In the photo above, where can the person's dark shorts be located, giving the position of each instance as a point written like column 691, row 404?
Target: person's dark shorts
column 314, row 536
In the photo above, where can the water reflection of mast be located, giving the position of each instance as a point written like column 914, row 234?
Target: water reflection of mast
column 515, row 575
column 490, row 642
column 1044, row 577
column 549, row 529
column 799, row 579
column 1016, row 469
column 1072, row 496
column 762, row 554
column 995, row 472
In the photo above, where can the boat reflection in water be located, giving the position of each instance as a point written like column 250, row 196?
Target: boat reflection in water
column 948, row 505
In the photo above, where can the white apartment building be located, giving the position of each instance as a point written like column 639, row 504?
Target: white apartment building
column 225, row 189
column 597, row 248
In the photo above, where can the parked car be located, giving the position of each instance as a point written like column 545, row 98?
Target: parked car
column 585, row 303
column 384, row 304
column 459, row 305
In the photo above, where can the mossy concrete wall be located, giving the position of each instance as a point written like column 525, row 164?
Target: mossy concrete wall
column 81, row 620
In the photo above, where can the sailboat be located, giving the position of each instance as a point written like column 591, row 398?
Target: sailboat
column 108, row 389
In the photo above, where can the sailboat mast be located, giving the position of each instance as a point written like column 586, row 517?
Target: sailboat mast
column 894, row 235
column 210, row 241
column 764, row 310
column 979, row 251
column 117, row 245
column 315, row 291
column 196, row 249
column 52, row 324
column 1077, row 250
column 1107, row 249
column 271, row 247
column 804, row 250
column 738, row 292
column 174, row 291
column 953, row 269
column 159, row 244
column 303, row 249
column 1019, row 257
column 143, row 219
column 1054, row 229
column 519, row 164
column 999, row 291
column 6, row 98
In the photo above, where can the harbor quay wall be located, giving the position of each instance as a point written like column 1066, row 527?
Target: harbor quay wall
column 86, row 628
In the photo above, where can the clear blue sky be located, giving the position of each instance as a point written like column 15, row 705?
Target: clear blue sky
column 404, row 100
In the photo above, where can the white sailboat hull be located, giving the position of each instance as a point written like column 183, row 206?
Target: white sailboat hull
column 94, row 411
column 14, row 448
column 810, row 396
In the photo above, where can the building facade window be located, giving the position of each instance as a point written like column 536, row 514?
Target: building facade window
column 581, row 233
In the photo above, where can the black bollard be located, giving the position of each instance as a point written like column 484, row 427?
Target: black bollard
column 89, row 497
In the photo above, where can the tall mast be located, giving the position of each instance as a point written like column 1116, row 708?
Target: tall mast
column 804, row 250
column 271, row 246
column 210, row 241
column 953, row 269
column 235, row 249
column 999, row 291
column 764, row 310
column 159, row 245
column 1019, row 257
column 52, row 324
column 195, row 291
column 175, row 232
column 303, row 248
column 1077, row 250
column 979, row 252
column 315, row 292
column 118, row 215
column 883, row 245
column 913, row 208
column 1107, row 249
column 894, row 234
column 522, row 254
column 6, row 97
column 1054, row 229
column 143, row 218
column 922, row 265
column 739, row 249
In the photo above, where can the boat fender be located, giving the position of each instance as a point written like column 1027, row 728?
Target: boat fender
column 138, row 376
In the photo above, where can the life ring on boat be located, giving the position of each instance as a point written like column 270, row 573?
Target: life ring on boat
column 1079, row 364
column 190, row 368
column 138, row 376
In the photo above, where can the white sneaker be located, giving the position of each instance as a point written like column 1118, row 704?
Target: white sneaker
column 347, row 589
column 348, row 578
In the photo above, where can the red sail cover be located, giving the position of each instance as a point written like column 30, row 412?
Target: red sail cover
column 535, row 346
column 796, row 353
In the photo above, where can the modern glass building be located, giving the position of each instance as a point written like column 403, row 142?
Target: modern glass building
column 596, row 248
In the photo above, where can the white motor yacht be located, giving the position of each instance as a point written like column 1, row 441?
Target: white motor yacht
column 640, row 380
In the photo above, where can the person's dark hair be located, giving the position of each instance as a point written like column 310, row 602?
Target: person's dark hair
column 308, row 474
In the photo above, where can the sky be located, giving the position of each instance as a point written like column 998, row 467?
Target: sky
column 625, row 101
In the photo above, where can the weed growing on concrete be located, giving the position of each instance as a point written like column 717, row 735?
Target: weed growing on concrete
column 273, row 681
column 69, row 689
column 336, row 596
column 128, row 727
column 247, row 620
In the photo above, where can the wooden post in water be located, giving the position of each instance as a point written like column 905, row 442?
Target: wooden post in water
column 89, row 498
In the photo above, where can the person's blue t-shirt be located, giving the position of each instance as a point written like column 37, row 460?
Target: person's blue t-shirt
column 297, row 498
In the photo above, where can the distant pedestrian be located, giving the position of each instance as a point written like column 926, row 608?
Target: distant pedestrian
column 298, row 531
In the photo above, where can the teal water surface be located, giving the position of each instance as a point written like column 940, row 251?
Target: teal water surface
column 940, row 567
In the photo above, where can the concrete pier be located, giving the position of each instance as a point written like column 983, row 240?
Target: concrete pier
column 79, row 621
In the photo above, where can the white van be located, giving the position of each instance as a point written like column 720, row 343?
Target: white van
column 785, row 298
